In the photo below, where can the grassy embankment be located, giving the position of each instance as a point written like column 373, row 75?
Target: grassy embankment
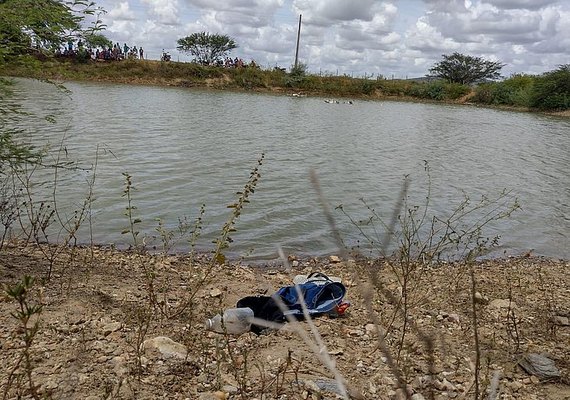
column 548, row 93
column 193, row 75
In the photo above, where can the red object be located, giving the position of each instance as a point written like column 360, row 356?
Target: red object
column 341, row 308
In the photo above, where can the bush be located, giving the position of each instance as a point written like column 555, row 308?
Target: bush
column 453, row 91
column 250, row 78
column 552, row 90
column 515, row 91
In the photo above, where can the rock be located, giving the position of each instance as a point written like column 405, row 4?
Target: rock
column 355, row 333
column 540, row 366
column 560, row 320
column 444, row 385
column 480, row 299
column 120, row 366
column 453, row 318
column 230, row 389
column 213, row 396
column 295, row 264
column 311, row 386
column 515, row 386
column 502, row 303
column 215, row 292
column 334, row 259
column 418, row 396
column 370, row 329
column 112, row 327
column 165, row 347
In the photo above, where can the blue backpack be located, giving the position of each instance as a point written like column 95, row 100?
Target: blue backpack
column 321, row 295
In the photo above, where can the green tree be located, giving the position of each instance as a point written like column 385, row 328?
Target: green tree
column 552, row 90
column 465, row 69
column 97, row 40
column 205, row 47
column 36, row 25
column 29, row 26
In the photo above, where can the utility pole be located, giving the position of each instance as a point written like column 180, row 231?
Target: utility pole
column 298, row 37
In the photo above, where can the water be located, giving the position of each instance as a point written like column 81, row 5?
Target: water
column 185, row 148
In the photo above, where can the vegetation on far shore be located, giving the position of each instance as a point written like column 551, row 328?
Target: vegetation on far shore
column 549, row 92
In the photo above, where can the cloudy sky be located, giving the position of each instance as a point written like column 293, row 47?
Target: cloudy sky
column 400, row 38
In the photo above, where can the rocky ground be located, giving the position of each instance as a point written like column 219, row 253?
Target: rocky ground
column 116, row 325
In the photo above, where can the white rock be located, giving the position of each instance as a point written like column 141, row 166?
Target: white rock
column 112, row 327
column 502, row 303
column 370, row 329
column 454, row 318
column 165, row 347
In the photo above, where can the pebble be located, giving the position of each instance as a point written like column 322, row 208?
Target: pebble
column 480, row 299
column 334, row 259
column 112, row 327
column 453, row 318
column 370, row 329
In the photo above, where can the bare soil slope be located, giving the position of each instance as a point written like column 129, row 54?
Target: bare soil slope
column 99, row 306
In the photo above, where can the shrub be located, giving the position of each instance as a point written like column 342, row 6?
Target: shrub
column 514, row 91
column 250, row 78
column 552, row 90
column 454, row 91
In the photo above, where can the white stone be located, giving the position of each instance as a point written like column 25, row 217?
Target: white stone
column 502, row 303
column 165, row 347
column 112, row 327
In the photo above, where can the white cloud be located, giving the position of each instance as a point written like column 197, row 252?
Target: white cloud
column 165, row 11
column 122, row 12
column 400, row 37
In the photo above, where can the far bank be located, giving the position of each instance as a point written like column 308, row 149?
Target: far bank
column 507, row 95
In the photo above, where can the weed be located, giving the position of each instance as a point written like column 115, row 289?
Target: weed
column 28, row 315
column 130, row 211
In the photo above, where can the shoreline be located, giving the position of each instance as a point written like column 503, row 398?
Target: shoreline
column 223, row 82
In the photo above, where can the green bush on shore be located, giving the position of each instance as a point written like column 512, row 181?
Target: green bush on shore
column 547, row 92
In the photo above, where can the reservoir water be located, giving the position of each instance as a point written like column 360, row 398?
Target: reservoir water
column 185, row 147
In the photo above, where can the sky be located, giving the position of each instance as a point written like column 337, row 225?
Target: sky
column 371, row 38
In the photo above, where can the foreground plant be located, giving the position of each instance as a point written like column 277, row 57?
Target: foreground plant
column 28, row 315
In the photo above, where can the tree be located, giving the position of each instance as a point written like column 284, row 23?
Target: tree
column 97, row 40
column 465, row 69
column 205, row 47
column 28, row 25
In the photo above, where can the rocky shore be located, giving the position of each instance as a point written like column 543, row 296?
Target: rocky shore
column 118, row 325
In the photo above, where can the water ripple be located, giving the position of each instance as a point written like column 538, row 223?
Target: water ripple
column 187, row 147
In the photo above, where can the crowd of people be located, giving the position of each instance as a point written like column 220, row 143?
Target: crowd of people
column 228, row 62
column 103, row 53
column 117, row 52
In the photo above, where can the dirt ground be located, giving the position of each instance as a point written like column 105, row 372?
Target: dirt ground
column 101, row 305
